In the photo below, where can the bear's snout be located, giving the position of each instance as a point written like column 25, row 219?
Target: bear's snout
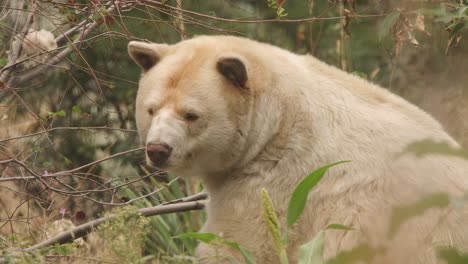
column 158, row 153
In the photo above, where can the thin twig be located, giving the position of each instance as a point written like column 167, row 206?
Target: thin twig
column 85, row 30
column 69, row 128
column 40, row 177
column 256, row 21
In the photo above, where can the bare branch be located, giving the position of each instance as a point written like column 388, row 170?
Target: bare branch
column 69, row 128
column 85, row 28
column 84, row 229
column 42, row 177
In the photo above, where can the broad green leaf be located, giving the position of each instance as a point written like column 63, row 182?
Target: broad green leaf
column 444, row 19
column 427, row 147
column 210, row 237
column 402, row 214
column 430, row 11
column 312, row 252
column 339, row 227
column 462, row 11
column 457, row 26
column 452, row 255
column 388, row 23
column 299, row 196
column 362, row 253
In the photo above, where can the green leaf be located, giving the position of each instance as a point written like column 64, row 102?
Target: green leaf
column 388, row 23
column 312, row 252
column 210, row 237
column 456, row 28
column 360, row 74
column 12, row 238
column 362, row 253
column 64, row 249
column 299, row 196
column 426, row 147
column 402, row 214
column 452, row 255
column 462, row 11
column 3, row 62
column 76, row 109
column 339, row 227
column 430, row 11
column 60, row 113
column 204, row 237
column 248, row 256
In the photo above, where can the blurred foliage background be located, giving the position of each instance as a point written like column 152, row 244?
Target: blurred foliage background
column 81, row 110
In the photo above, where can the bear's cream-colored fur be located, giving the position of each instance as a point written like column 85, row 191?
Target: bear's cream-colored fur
column 243, row 115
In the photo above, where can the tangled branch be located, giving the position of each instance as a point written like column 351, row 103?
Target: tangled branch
column 190, row 203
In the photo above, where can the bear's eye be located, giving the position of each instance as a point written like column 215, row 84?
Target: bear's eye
column 190, row 117
column 150, row 112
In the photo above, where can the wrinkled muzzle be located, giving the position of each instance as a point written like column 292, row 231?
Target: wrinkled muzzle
column 164, row 139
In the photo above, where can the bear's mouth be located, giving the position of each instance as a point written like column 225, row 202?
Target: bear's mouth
column 161, row 166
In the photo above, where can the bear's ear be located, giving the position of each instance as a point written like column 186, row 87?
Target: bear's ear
column 146, row 55
column 234, row 70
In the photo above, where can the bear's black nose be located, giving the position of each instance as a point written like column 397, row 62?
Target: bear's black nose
column 158, row 153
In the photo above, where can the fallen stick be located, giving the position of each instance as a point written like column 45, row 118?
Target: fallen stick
column 84, row 229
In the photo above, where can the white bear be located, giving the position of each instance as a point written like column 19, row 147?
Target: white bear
column 243, row 115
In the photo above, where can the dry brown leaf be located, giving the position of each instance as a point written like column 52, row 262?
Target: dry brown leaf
column 420, row 25
column 409, row 36
column 279, row 4
column 397, row 34
column 412, row 39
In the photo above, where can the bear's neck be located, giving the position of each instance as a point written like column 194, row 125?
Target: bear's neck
column 279, row 138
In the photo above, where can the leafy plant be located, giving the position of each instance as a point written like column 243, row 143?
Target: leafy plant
column 389, row 21
column 295, row 209
column 277, row 5
column 160, row 243
column 123, row 237
column 454, row 16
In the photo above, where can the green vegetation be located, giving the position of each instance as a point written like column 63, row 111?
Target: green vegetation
column 81, row 111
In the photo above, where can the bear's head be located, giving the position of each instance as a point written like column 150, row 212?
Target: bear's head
column 194, row 105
